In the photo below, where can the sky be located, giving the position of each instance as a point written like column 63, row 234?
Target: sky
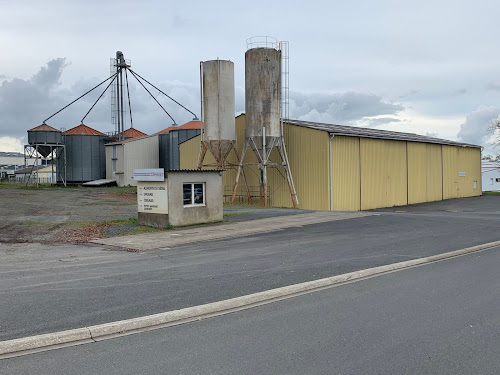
column 426, row 67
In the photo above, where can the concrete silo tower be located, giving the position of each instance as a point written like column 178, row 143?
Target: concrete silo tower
column 265, row 98
column 218, row 124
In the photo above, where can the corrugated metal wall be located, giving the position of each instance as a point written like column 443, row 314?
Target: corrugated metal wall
column 434, row 172
column 383, row 173
column 345, row 174
column 139, row 153
column 450, row 172
column 462, row 168
column 365, row 173
column 424, row 172
column 169, row 146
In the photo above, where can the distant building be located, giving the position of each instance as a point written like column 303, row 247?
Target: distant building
column 44, row 175
column 490, row 175
column 10, row 162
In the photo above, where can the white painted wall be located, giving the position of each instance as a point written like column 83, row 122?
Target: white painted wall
column 490, row 175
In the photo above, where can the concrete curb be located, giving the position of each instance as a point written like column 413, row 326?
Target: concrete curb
column 100, row 332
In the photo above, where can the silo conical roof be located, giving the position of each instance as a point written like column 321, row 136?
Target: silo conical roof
column 43, row 128
column 83, row 129
column 188, row 125
column 133, row 133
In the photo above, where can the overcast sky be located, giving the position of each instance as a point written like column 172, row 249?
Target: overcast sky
column 427, row 67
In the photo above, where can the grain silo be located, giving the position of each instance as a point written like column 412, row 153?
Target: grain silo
column 218, row 108
column 85, row 154
column 44, row 136
column 264, row 111
column 46, row 142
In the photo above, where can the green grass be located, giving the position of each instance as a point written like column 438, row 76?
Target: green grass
column 33, row 224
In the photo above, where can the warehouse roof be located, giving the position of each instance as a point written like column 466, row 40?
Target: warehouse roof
column 354, row 131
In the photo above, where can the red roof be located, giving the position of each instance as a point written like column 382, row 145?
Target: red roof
column 132, row 133
column 44, row 128
column 187, row 125
column 83, row 130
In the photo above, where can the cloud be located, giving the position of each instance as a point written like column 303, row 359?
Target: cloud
column 475, row 128
column 11, row 144
column 379, row 121
column 341, row 108
column 492, row 86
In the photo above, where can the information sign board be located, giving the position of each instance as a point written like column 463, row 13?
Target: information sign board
column 152, row 197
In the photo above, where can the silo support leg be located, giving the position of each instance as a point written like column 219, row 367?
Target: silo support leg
column 240, row 168
column 289, row 179
column 202, row 154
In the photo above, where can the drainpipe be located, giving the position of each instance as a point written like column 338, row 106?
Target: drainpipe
column 330, row 169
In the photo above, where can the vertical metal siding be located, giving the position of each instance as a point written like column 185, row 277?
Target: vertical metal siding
column 434, row 172
column 383, row 173
column 468, row 163
column 424, row 172
column 109, row 163
column 417, row 172
column 139, row 153
column 450, row 172
column 345, row 174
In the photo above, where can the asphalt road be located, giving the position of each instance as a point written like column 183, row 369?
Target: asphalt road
column 440, row 318
column 51, row 288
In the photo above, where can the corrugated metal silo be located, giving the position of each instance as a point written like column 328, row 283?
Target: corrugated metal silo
column 85, row 154
column 169, row 147
column 219, row 133
column 44, row 135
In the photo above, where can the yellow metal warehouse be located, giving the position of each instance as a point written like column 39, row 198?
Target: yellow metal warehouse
column 349, row 168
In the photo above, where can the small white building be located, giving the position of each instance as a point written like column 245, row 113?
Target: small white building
column 490, row 175
column 123, row 157
column 179, row 197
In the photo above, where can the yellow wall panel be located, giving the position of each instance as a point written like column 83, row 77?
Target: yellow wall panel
column 383, row 173
column 434, row 172
column 417, row 172
column 345, row 174
column 450, row 172
column 425, row 182
column 469, row 160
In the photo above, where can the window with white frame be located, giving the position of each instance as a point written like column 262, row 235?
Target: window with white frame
column 193, row 193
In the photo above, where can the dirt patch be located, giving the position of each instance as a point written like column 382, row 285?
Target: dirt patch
column 83, row 234
column 67, row 215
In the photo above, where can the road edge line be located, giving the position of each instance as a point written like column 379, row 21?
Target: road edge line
column 27, row 345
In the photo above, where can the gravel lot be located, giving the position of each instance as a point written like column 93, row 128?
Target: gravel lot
column 54, row 214
column 77, row 215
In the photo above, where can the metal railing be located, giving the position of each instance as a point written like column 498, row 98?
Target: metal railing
column 262, row 42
